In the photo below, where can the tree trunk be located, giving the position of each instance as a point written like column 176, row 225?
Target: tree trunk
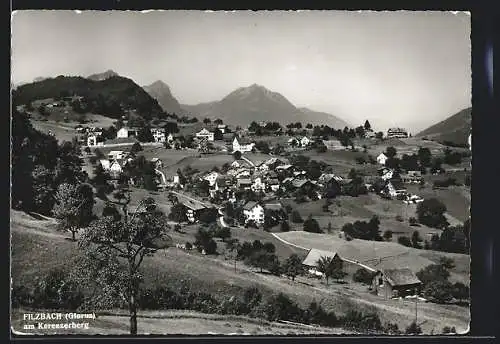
column 133, row 315
column 73, row 233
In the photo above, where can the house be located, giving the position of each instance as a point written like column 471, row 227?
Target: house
column 412, row 177
column 235, row 164
column 211, row 178
column 333, row 145
column 381, row 159
column 397, row 133
column 205, row 134
column 305, row 141
column 253, row 211
column 395, row 283
column 273, row 163
column 115, row 169
column 313, row 256
column 244, row 183
column 158, row 134
column 92, row 140
column 157, row 163
column 242, row 146
column 193, row 208
column 385, row 173
column 170, row 138
column 370, row 134
column 117, row 155
column 125, row 132
column 395, row 188
column 273, row 184
column 258, row 185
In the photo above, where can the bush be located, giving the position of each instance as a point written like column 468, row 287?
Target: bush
column 448, row 330
column 362, row 322
column 296, row 218
column 189, row 246
column 439, row 291
column 413, row 329
column 285, row 227
column 405, row 241
column 57, row 291
column 413, row 221
column 363, row 276
column 391, row 328
column 312, row 226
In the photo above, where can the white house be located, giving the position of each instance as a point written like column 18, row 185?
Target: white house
column 91, row 140
column 211, row 178
column 157, row 163
column 258, row 185
column 105, row 163
column 239, row 147
column 222, row 128
column 205, row 134
column 395, row 188
column 253, row 211
column 235, row 164
column 305, row 141
column 158, row 134
column 333, row 145
column 170, row 138
column 381, row 159
column 125, row 132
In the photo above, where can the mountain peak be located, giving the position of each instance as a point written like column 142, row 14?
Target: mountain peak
column 159, row 84
column 103, row 76
column 160, row 91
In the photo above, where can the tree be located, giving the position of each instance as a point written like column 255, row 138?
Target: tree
column 136, row 147
column 379, row 135
column 388, row 235
column 311, row 225
column 390, row 152
column 207, row 121
column 171, row 128
column 363, row 276
column 224, row 233
column 433, row 272
column 295, row 217
column 367, row 126
column 431, row 213
column 440, row 291
column 237, row 155
column 285, row 227
column 113, row 252
column 293, row 266
column 330, row 267
column 145, row 134
column 204, row 241
column 73, row 207
column 405, row 241
column 110, row 210
column 416, row 240
column 424, row 156
column 178, row 213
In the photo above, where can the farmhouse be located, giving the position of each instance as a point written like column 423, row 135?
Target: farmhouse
column 395, row 283
column 386, row 173
column 273, row 184
column 115, row 169
column 381, row 159
column 211, row 178
column 242, row 146
column 193, row 208
column 125, row 132
column 397, row 133
column 158, row 134
column 395, row 188
column 253, row 211
column 244, row 183
column 312, row 258
column 205, row 134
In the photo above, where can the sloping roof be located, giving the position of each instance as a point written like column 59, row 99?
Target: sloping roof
column 314, row 255
column 283, row 167
column 397, row 184
column 115, row 152
column 397, row 277
column 105, row 163
column 250, row 205
column 273, row 206
column 191, row 204
column 298, row 183
column 244, row 181
column 381, row 155
column 273, row 181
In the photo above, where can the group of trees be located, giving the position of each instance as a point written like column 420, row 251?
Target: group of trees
column 363, row 230
column 431, row 212
column 331, row 267
column 260, row 255
column 270, row 128
column 40, row 165
column 436, row 286
column 454, row 239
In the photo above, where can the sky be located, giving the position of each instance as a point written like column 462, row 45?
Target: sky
column 407, row 69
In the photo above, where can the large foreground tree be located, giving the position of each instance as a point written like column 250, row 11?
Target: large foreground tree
column 113, row 251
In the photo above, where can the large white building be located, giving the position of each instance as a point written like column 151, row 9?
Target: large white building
column 239, row 147
column 158, row 134
column 382, row 158
column 253, row 211
column 205, row 134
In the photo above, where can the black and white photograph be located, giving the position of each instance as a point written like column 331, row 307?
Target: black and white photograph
column 240, row 173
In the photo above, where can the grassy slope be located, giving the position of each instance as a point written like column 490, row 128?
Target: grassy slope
column 455, row 128
column 35, row 252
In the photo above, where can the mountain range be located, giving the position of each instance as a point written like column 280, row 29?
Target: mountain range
column 454, row 129
column 257, row 103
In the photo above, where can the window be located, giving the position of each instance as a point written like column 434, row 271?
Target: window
column 380, row 282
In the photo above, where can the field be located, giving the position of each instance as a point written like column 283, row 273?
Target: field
column 37, row 247
column 177, row 322
column 379, row 254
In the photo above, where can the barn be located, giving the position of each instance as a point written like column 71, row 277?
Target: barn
column 311, row 260
column 395, row 283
